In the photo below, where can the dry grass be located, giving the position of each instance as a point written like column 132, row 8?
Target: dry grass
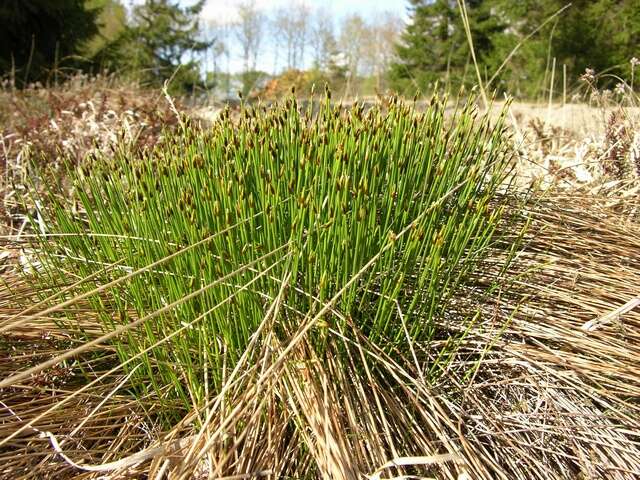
column 530, row 393
column 43, row 129
column 578, row 146
column 567, row 399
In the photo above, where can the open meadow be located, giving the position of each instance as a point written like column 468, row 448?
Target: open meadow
column 415, row 255
column 403, row 290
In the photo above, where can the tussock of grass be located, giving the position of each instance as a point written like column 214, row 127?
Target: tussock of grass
column 237, row 272
column 547, row 400
column 377, row 213
column 322, row 345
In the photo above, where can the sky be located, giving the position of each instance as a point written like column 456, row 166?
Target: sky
column 217, row 9
column 224, row 11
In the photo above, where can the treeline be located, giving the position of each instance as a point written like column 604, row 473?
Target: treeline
column 542, row 39
column 303, row 46
column 165, row 39
column 523, row 47
column 45, row 38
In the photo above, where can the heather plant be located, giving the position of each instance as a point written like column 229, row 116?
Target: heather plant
column 348, row 217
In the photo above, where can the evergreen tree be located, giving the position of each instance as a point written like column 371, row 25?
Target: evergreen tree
column 599, row 34
column 425, row 48
column 111, row 21
column 158, row 43
column 626, row 35
column 435, row 45
column 38, row 35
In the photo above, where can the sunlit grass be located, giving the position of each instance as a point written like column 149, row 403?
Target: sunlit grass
column 378, row 215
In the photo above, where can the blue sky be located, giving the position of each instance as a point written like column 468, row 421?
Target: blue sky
column 218, row 9
column 224, row 11
column 222, row 8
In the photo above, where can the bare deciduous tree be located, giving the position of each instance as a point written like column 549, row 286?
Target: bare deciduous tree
column 322, row 38
column 369, row 46
column 382, row 34
column 249, row 31
column 290, row 26
column 217, row 34
column 356, row 53
column 352, row 34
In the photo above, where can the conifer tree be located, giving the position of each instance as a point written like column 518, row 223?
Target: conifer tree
column 159, row 44
column 111, row 21
column 425, row 47
column 435, row 45
column 37, row 36
column 602, row 35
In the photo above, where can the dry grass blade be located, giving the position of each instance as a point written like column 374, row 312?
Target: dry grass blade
column 612, row 316
column 551, row 399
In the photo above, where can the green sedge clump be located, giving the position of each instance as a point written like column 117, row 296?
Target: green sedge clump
column 398, row 205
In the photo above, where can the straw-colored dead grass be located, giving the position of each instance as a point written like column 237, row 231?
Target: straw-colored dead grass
column 565, row 399
column 530, row 393
column 578, row 147
column 44, row 127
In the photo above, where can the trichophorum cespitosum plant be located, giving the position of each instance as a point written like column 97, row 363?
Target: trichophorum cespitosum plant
column 340, row 226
